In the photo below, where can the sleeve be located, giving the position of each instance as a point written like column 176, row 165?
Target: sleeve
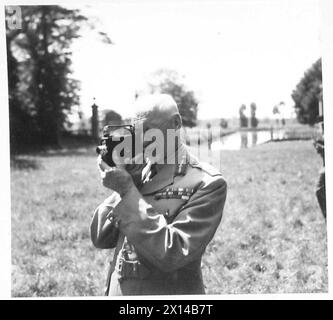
column 104, row 234
column 171, row 246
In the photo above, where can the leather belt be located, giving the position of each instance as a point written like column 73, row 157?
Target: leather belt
column 131, row 269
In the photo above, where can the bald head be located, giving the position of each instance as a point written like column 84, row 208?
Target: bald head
column 156, row 109
column 158, row 118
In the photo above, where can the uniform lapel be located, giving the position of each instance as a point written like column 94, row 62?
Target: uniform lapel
column 163, row 178
column 165, row 174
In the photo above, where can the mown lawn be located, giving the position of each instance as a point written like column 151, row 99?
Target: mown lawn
column 272, row 238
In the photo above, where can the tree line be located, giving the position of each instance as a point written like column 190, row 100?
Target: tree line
column 308, row 94
column 42, row 91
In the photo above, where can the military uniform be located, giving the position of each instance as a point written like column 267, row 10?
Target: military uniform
column 161, row 231
column 321, row 191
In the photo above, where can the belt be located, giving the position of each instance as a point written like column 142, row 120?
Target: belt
column 131, row 269
column 135, row 269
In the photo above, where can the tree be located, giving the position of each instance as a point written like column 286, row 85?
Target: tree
column 243, row 120
column 254, row 120
column 308, row 93
column 20, row 122
column 112, row 117
column 44, row 89
column 170, row 82
column 42, row 92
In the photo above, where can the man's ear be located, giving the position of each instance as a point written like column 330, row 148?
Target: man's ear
column 177, row 121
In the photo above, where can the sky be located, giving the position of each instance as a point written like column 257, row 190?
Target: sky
column 229, row 52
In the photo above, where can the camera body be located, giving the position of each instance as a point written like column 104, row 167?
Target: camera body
column 112, row 136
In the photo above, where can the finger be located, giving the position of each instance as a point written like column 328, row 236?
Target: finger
column 103, row 174
column 99, row 159
column 99, row 163
column 103, row 165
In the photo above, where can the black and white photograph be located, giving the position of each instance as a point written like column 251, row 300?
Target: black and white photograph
column 166, row 148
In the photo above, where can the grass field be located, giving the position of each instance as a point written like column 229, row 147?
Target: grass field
column 272, row 238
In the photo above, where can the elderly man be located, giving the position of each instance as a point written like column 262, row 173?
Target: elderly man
column 160, row 226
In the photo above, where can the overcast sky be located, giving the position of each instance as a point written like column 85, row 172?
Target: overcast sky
column 230, row 52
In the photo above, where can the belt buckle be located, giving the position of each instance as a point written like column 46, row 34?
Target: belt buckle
column 137, row 269
column 130, row 268
column 134, row 266
column 127, row 268
column 120, row 267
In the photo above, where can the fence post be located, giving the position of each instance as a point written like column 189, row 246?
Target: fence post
column 94, row 122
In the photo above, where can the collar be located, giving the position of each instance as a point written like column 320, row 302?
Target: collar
column 166, row 173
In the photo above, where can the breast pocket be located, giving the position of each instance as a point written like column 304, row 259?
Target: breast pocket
column 169, row 208
column 170, row 201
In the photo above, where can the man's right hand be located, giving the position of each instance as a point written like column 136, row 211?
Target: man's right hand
column 114, row 178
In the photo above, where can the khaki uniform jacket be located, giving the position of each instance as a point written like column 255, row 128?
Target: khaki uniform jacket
column 161, row 231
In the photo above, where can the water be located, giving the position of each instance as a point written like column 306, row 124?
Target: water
column 244, row 139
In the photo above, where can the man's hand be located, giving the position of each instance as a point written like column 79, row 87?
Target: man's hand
column 115, row 178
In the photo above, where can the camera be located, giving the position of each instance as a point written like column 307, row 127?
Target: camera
column 112, row 136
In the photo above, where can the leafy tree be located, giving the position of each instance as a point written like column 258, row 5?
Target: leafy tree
column 308, row 93
column 112, row 117
column 254, row 120
column 243, row 120
column 19, row 120
column 41, row 90
column 170, row 82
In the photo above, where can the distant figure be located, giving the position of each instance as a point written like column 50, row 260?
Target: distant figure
column 242, row 117
column 320, row 188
